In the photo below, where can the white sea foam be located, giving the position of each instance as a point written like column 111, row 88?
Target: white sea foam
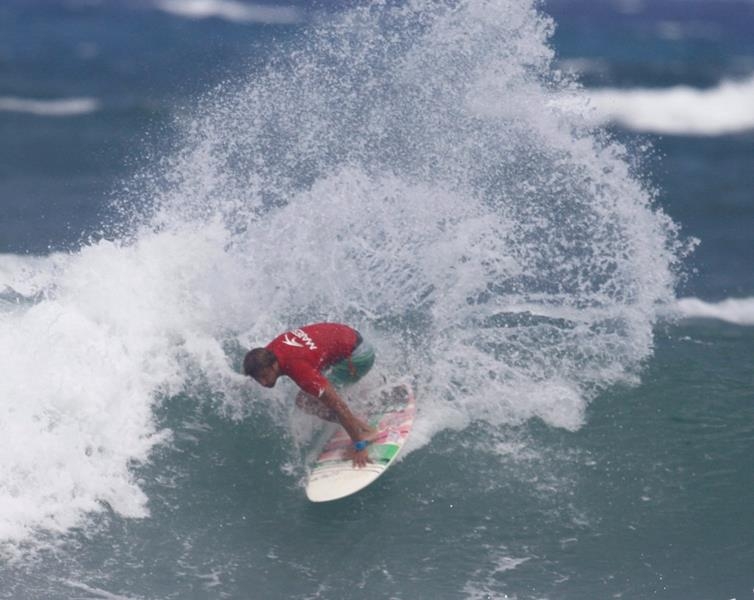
column 61, row 107
column 681, row 110
column 231, row 10
column 88, row 343
column 739, row 311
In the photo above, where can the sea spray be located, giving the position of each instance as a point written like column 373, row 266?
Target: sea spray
column 399, row 168
column 406, row 169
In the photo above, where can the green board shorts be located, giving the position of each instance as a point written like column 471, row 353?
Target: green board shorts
column 351, row 369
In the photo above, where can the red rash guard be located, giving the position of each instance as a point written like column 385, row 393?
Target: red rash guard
column 303, row 353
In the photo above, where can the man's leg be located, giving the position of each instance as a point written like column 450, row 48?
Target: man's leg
column 313, row 406
column 353, row 368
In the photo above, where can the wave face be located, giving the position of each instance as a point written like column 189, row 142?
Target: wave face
column 402, row 169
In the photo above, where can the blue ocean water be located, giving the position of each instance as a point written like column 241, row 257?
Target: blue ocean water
column 541, row 212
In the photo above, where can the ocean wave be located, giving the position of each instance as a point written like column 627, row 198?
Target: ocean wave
column 739, row 311
column 680, row 110
column 682, row 30
column 416, row 185
column 61, row 107
column 230, row 10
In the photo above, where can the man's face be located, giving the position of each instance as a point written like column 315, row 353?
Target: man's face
column 268, row 376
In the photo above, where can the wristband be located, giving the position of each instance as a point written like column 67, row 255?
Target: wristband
column 360, row 445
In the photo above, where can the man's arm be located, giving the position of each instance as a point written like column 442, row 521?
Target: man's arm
column 356, row 428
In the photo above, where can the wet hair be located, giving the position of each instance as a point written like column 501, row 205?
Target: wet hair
column 257, row 360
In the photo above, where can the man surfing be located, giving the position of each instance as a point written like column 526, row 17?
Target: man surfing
column 303, row 354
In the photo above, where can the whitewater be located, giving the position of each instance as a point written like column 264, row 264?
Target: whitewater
column 725, row 109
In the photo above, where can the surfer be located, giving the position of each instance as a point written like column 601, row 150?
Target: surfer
column 303, row 354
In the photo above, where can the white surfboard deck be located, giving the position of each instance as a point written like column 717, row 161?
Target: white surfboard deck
column 333, row 475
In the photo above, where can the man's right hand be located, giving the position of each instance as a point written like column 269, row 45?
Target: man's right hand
column 360, row 458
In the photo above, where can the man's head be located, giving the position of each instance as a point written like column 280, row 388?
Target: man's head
column 261, row 364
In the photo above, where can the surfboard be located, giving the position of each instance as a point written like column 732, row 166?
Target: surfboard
column 333, row 476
